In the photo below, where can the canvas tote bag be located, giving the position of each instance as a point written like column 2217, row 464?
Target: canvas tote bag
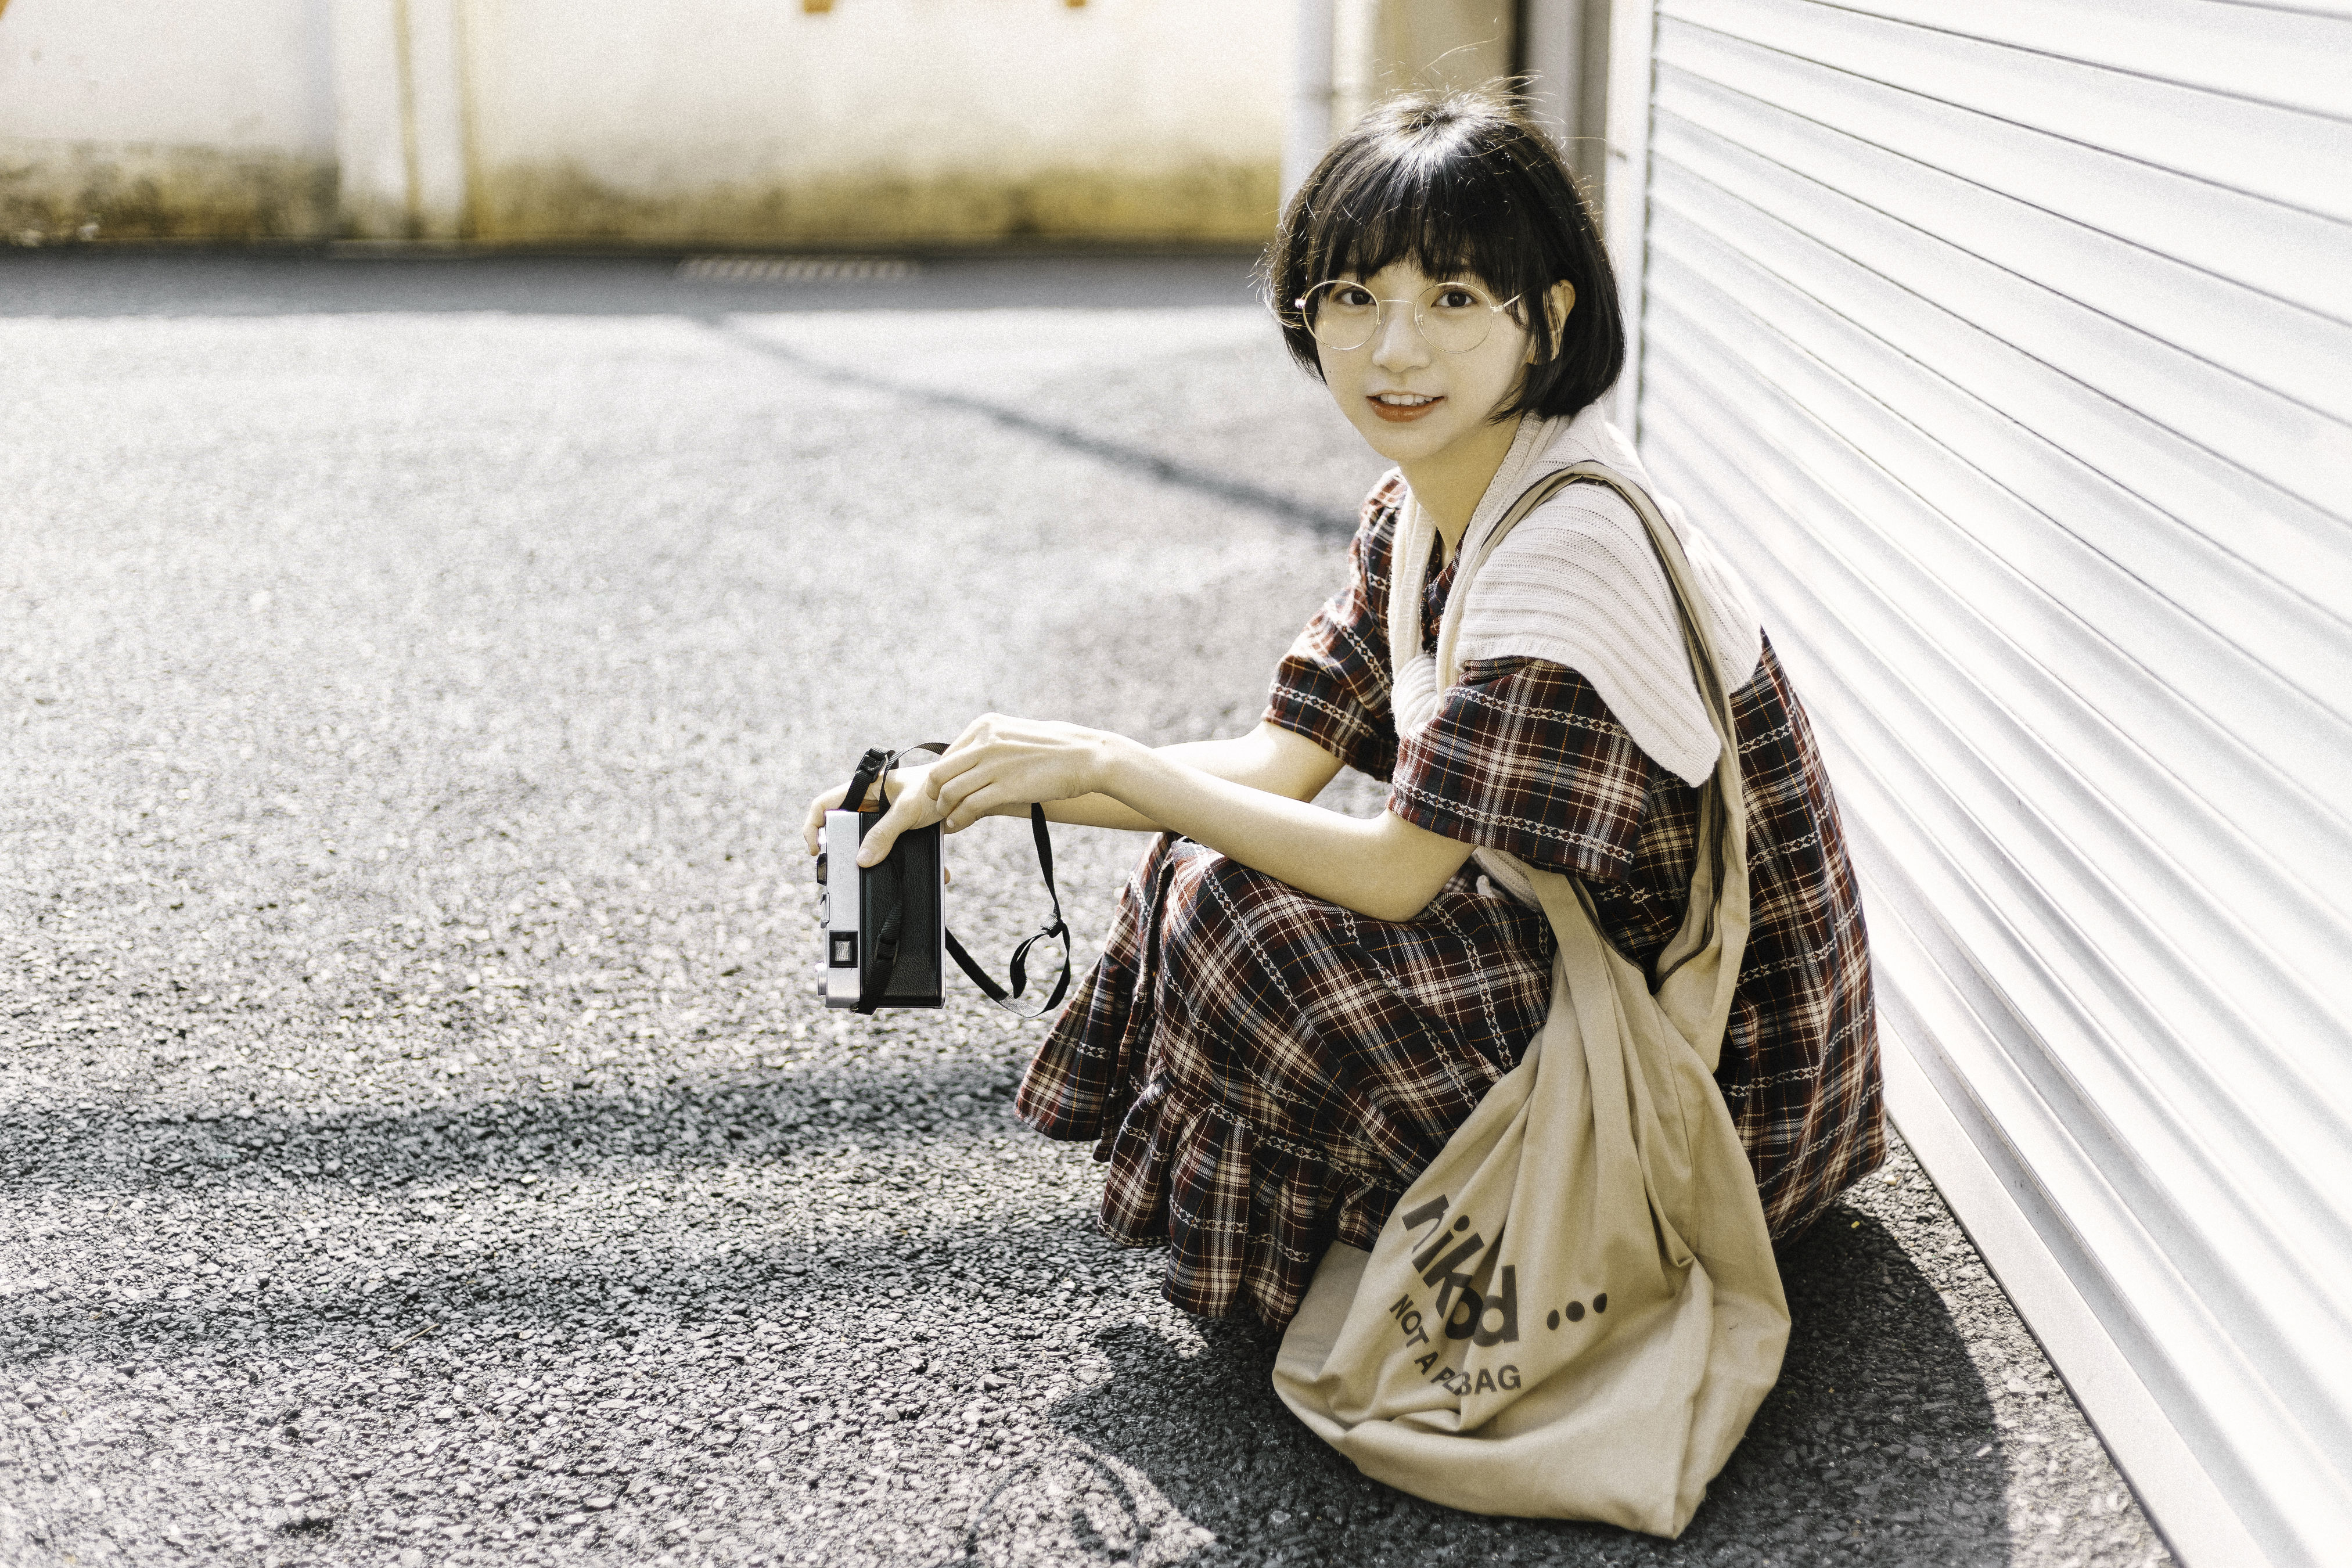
column 1574, row 1312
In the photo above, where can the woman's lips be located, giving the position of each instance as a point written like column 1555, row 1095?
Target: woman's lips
column 1401, row 414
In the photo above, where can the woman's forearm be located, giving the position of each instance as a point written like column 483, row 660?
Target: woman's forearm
column 1090, row 811
column 1245, row 798
column 1384, row 867
column 1266, row 760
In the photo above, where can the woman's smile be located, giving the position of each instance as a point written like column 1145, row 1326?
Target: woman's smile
column 1428, row 409
column 1403, row 407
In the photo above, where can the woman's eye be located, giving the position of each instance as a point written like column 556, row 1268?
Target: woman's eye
column 1352, row 298
column 1455, row 300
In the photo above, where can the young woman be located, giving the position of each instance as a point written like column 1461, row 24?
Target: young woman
column 1296, row 1009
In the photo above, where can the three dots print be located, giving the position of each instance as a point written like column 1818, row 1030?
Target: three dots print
column 1575, row 1310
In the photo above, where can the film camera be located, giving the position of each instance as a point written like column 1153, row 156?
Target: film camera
column 887, row 939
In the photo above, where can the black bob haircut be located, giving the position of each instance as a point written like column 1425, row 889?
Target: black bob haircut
column 1462, row 185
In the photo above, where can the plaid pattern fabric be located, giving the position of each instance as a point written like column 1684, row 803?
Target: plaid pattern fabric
column 1264, row 1070
column 1524, row 758
column 1246, row 1061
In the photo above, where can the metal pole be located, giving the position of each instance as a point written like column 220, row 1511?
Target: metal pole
column 1551, row 36
column 1309, row 131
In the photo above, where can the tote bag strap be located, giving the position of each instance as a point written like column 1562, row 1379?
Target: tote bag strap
column 1697, row 971
column 1698, row 641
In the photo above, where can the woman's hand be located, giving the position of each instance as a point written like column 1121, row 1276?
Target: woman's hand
column 903, row 784
column 812, row 825
column 997, row 767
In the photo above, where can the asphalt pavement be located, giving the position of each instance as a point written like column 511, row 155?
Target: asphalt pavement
column 419, row 1141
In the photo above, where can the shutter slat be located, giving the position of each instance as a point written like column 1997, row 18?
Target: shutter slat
column 2154, row 1151
column 2276, row 56
column 2005, row 412
column 2289, row 349
column 2288, row 157
column 2186, row 853
column 2289, row 736
column 2254, row 990
column 1950, row 1021
column 2295, row 255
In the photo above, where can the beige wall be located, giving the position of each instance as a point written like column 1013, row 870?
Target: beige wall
column 938, row 120
column 750, row 122
column 165, row 118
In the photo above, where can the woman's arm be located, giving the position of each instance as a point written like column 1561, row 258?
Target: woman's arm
column 1385, row 868
column 1269, row 758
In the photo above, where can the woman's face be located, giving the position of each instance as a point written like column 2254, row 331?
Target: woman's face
column 1410, row 399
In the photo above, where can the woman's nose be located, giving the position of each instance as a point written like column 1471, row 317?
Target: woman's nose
column 1397, row 342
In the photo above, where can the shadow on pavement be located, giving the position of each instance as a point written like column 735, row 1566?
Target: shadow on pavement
column 684, row 1124
column 1878, row 1445
column 1154, row 467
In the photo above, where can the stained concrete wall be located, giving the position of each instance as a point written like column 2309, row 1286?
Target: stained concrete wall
column 165, row 118
column 696, row 122
column 956, row 120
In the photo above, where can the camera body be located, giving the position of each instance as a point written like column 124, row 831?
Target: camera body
column 885, row 925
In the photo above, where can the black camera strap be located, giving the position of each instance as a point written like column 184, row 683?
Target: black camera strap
column 876, row 765
column 874, row 770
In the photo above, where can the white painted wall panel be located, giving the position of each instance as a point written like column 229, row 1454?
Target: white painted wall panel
column 735, row 89
column 235, row 75
column 2004, row 345
column 731, row 123
column 1137, row 117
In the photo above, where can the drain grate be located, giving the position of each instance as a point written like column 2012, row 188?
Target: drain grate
column 794, row 268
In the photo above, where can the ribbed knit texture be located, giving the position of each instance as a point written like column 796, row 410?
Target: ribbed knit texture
column 1577, row 583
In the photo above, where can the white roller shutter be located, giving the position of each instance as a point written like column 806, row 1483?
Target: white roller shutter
column 2009, row 344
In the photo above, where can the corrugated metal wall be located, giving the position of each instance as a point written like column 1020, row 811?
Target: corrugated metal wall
column 2010, row 346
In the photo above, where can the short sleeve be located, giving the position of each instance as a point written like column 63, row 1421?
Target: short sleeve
column 1332, row 687
column 1523, row 756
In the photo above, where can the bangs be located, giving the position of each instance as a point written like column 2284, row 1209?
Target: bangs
column 1437, row 209
column 1460, row 186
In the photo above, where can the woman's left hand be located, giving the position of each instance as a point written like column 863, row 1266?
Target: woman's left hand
column 998, row 765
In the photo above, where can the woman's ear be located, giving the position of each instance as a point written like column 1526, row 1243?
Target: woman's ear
column 1562, row 300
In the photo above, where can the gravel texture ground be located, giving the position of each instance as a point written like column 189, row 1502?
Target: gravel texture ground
column 418, row 1143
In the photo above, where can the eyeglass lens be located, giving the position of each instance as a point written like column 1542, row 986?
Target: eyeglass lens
column 1454, row 317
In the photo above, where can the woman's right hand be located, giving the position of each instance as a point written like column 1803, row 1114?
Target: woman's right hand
column 911, row 804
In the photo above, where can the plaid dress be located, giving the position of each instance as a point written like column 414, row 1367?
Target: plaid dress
column 1265, row 1072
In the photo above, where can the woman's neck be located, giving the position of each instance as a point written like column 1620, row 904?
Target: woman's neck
column 1450, row 484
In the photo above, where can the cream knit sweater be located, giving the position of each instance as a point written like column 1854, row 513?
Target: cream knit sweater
column 1576, row 583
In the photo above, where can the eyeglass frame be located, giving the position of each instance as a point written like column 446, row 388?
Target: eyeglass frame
column 1299, row 305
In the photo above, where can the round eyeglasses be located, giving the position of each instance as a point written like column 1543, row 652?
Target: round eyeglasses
column 1454, row 317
